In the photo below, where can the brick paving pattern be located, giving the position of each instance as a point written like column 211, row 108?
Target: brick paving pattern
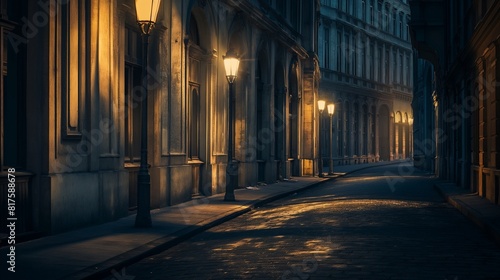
column 380, row 223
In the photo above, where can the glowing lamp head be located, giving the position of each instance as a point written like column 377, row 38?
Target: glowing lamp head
column 147, row 12
column 231, row 64
column 321, row 105
column 331, row 108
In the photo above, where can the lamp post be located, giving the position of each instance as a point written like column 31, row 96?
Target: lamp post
column 146, row 11
column 331, row 110
column 321, row 107
column 231, row 64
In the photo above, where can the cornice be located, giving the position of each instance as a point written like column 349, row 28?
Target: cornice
column 260, row 19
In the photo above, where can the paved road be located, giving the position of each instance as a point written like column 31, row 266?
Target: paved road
column 380, row 223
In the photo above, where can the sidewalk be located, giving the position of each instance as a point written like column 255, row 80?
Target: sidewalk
column 482, row 212
column 94, row 251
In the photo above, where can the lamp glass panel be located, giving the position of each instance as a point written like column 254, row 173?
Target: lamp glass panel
column 331, row 109
column 321, row 105
column 147, row 10
column 231, row 64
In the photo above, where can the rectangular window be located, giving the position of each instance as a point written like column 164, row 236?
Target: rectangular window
column 394, row 66
column 407, row 37
column 372, row 61
column 401, row 69
column 133, row 94
column 133, row 108
column 295, row 14
column 387, row 72
column 281, row 7
column 408, row 72
column 386, row 18
column 326, row 48
column 194, row 120
column 339, row 51
column 379, row 15
column 363, row 10
column 394, row 25
column 72, row 51
column 401, row 26
column 354, row 54
column 380, row 63
column 347, row 54
column 372, row 13
column 363, row 60
column 13, row 112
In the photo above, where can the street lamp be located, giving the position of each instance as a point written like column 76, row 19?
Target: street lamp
column 321, row 107
column 146, row 11
column 231, row 64
column 331, row 110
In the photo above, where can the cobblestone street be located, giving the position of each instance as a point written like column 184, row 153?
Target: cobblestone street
column 380, row 223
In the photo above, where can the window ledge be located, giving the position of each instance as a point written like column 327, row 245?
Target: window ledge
column 195, row 161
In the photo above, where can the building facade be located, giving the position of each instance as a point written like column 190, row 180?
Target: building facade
column 366, row 64
column 71, row 96
column 460, row 43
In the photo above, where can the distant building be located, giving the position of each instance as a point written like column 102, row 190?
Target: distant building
column 366, row 66
column 71, row 90
column 458, row 45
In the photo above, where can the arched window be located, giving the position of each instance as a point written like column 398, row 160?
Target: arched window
column 194, row 87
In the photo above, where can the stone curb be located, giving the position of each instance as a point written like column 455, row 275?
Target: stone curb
column 469, row 212
column 161, row 244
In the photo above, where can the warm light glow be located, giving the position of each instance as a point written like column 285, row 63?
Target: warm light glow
column 147, row 11
column 410, row 121
column 231, row 63
column 321, row 105
column 331, row 108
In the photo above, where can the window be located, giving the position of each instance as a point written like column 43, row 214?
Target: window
column 326, row 48
column 194, row 121
column 133, row 95
column 387, row 66
column 339, row 51
column 194, row 91
column 394, row 25
column 401, row 25
column 295, row 14
column 400, row 68
column 281, row 7
column 407, row 37
column 133, row 108
column 325, row 2
column 372, row 61
column 354, row 54
column 386, row 18
column 394, row 66
column 363, row 10
column 379, row 15
column 379, row 63
column 363, row 59
column 408, row 72
column 372, row 13
column 347, row 54
column 13, row 122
